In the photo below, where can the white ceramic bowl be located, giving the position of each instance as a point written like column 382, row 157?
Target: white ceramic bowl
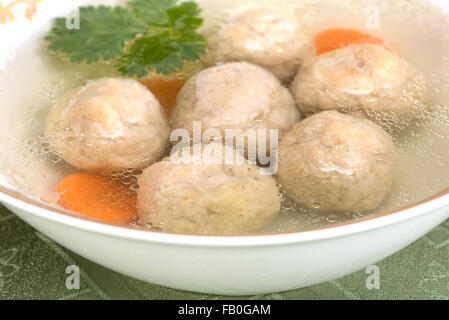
column 243, row 265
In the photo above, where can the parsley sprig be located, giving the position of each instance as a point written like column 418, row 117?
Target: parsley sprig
column 146, row 35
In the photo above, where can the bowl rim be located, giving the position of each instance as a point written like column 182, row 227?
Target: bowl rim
column 60, row 216
column 369, row 223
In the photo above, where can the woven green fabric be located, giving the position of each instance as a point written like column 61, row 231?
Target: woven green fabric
column 33, row 267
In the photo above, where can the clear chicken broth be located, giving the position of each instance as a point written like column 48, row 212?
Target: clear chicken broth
column 32, row 79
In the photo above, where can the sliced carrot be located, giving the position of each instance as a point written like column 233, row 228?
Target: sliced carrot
column 333, row 39
column 98, row 197
column 166, row 89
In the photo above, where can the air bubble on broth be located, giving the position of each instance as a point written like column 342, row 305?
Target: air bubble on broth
column 33, row 79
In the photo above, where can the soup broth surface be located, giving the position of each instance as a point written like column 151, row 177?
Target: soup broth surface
column 32, row 78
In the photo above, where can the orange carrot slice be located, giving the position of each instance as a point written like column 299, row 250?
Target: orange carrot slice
column 165, row 88
column 333, row 39
column 98, row 197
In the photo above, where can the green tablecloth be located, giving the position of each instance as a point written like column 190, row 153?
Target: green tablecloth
column 33, row 267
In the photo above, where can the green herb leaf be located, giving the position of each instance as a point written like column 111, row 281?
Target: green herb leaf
column 163, row 54
column 166, row 52
column 103, row 34
column 190, row 51
column 185, row 16
column 153, row 11
column 147, row 54
column 151, row 35
column 190, row 46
